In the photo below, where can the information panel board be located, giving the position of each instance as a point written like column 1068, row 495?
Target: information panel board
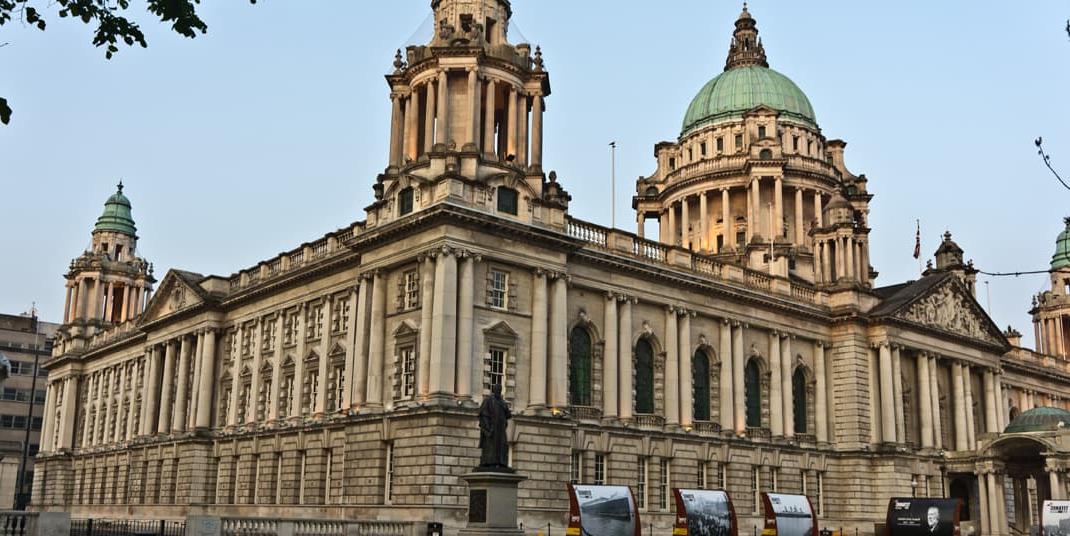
column 788, row 515
column 1055, row 518
column 704, row 512
column 602, row 511
column 921, row 516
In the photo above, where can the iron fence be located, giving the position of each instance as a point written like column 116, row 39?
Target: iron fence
column 126, row 527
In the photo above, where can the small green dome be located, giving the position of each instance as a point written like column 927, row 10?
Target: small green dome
column 737, row 90
column 1061, row 259
column 116, row 216
column 1039, row 420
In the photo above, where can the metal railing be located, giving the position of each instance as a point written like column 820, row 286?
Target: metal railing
column 249, row 526
column 127, row 527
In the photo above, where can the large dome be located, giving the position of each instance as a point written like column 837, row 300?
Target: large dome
column 1042, row 419
column 732, row 93
column 1061, row 259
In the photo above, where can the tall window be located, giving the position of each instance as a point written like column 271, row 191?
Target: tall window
column 508, row 200
column 720, row 144
column 703, row 474
column 412, row 289
column 663, row 494
column 497, row 367
column 753, row 394
column 761, row 131
column 576, row 467
column 700, row 380
column 644, row 377
column 408, row 372
column 498, row 293
column 405, row 201
column 756, row 488
column 599, row 469
column 579, row 377
column 641, row 486
column 739, row 142
column 388, row 482
column 798, row 394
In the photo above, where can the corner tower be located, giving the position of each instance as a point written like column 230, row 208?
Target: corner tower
column 108, row 284
column 1051, row 308
column 748, row 179
column 467, row 121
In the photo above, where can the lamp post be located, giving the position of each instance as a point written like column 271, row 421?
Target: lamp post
column 22, row 499
column 914, row 486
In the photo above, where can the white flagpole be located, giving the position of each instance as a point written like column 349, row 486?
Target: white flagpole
column 613, row 184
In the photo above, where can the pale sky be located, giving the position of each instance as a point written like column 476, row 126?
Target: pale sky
column 269, row 131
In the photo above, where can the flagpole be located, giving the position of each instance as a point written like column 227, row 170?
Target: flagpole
column 613, row 184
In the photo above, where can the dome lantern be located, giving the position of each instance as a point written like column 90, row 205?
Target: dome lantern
column 1061, row 259
column 116, row 217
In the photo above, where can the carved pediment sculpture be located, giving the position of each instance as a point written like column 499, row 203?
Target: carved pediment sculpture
column 949, row 308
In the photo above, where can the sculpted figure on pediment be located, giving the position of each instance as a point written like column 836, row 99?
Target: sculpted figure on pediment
column 946, row 310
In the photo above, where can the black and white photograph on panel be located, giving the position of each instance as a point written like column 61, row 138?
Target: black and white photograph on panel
column 606, row 510
column 1055, row 518
column 909, row 516
column 794, row 516
column 709, row 512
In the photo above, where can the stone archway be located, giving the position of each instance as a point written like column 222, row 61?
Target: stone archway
column 1019, row 480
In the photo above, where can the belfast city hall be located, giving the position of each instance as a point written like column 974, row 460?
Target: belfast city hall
column 743, row 345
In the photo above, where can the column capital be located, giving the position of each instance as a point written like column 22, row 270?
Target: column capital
column 624, row 298
column 540, row 272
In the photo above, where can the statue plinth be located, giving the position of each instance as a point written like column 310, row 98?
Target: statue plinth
column 492, row 503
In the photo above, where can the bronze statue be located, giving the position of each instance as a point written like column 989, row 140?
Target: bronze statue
column 494, row 417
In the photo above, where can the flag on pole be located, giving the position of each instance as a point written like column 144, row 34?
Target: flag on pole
column 917, row 241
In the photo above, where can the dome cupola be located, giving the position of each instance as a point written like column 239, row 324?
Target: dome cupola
column 116, row 217
column 1061, row 258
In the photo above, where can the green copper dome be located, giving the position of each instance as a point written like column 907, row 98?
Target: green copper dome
column 732, row 93
column 1039, row 420
column 116, row 216
column 1061, row 259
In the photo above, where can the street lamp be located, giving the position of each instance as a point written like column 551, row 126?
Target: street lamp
column 913, row 486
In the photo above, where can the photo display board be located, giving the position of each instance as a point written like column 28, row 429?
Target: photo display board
column 704, row 512
column 788, row 515
column 1055, row 518
column 917, row 516
column 602, row 511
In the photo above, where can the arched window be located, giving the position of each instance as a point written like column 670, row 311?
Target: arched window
column 798, row 394
column 644, row 377
column 579, row 367
column 700, row 380
column 752, row 387
column 405, row 201
column 652, row 191
column 508, row 200
column 765, row 154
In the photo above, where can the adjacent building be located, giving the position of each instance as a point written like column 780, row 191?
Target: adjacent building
column 744, row 345
column 24, row 342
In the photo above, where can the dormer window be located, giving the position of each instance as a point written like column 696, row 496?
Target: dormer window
column 405, row 201
column 761, row 131
column 508, row 200
column 739, row 142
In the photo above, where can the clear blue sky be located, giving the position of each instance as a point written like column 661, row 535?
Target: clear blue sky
column 269, row 130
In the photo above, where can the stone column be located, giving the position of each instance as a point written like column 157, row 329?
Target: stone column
column 166, row 403
column 125, row 305
column 991, row 423
column 375, row 341
column 738, row 390
column 995, row 505
column 897, row 392
column 66, row 422
column 776, row 386
column 90, row 403
column 206, row 384
column 48, row 417
column 672, row 224
column 427, row 293
column 131, row 413
column 983, row 499
column 778, row 208
column 753, row 200
column 522, row 130
column 354, row 336
column 685, row 223
column 430, row 103
column 272, row 412
column 704, row 224
column 786, row 377
column 818, row 215
column 67, row 303
column 539, row 317
column 357, row 371
column 395, row 129
column 726, row 404
column 76, row 310
column 324, row 364
column 971, row 428
column 474, row 90
column 687, row 411
column 490, row 148
column 536, row 131
column 442, row 130
column 510, row 122
column 624, row 348
column 799, row 234
column 466, row 325
column 672, row 368
column 109, row 301
column 182, row 387
column 444, row 325
column 925, row 399
column 887, row 394
column 412, row 112
column 640, row 221
column 726, row 220
column 821, row 388
column 958, row 394
column 235, row 381
column 1001, row 403
column 148, row 384
column 610, row 358
column 849, row 260
column 559, row 343
column 934, row 389
column 198, row 359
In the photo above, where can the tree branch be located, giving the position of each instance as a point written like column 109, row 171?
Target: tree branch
column 1047, row 161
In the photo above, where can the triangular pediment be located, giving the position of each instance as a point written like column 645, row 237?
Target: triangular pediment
column 177, row 292
column 500, row 329
column 949, row 307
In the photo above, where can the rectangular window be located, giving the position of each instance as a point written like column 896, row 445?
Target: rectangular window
column 497, row 366
column 576, row 467
column 773, row 474
column 405, row 202
column 821, row 494
column 703, row 475
column 408, row 371
column 761, row 131
column 641, row 485
column 702, row 148
column 665, row 479
column 412, row 289
column 720, row 144
column 690, row 155
column 672, row 164
column 599, row 469
column 795, row 143
column 498, row 293
column 724, row 476
column 809, row 147
column 508, row 200
column 739, row 142
column 388, row 487
column 756, row 488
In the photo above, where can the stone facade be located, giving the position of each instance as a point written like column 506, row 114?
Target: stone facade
column 342, row 378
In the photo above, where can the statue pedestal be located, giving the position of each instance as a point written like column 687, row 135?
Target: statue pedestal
column 492, row 504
